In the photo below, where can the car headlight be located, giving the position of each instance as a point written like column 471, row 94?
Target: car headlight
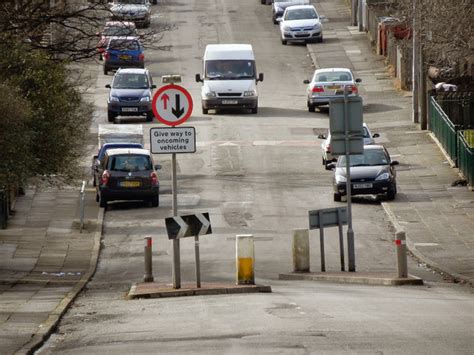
column 317, row 26
column 114, row 99
column 340, row 178
column 383, row 176
column 211, row 94
column 250, row 93
column 145, row 99
column 286, row 28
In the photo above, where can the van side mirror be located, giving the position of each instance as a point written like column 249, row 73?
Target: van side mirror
column 108, row 86
column 157, row 167
column 375, row 135
column 331, row 166
column 260, row 77
column 395, row 162
column 198, row 78
column 358, row 80
column 306, row 81
column 153, row 86
column 322, row 136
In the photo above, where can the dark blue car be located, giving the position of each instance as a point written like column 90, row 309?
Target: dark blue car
column 123, row 52
column 101, row 154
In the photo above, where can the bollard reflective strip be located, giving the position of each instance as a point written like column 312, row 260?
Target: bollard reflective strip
column 148, row 242
column 400, row 242
column 245, row 259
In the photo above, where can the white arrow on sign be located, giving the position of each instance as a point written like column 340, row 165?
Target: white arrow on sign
column 205, row 223
column 183, row 227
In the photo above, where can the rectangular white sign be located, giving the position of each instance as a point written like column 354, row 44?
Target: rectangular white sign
column 168, row 140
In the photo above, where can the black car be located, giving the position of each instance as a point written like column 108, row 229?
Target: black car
column 372, row 173
column 128, row 174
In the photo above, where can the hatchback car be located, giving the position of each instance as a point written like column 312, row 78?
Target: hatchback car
column 114, row 29
column 328, row 84
column 137, row 11
column 96, row 159
column 128, row 174
column 123, row 52
column 279, row 6
column 326, row 144
column 372, row 173
column 130, row 94
column 301, row 23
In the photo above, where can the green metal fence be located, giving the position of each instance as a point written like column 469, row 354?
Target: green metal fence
column 466, row 155
column 445, row 131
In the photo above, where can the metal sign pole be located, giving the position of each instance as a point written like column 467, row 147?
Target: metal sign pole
column 350, row 232
column 176, row 253
column 198, row 267
column 341, row 238
column 321, row 241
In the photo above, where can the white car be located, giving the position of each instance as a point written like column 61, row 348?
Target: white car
column 301, row 23
column 326, row 144
column 328, row 84
column 137, row 11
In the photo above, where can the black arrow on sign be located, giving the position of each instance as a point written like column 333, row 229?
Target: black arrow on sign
column 177, row 109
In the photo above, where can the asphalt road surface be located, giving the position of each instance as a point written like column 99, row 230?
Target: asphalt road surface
column 257, row 174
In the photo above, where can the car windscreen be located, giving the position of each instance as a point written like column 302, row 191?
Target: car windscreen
column 371, row 157
column 130, row 163
column 124, row 45
column 229, row 69
column 119, row 31
column 300, row 14
column 133, row 2
column 130, row 81
column 333, row 76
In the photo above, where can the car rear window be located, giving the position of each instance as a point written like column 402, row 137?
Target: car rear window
column 333, row 76
column 124, row 45
column 119, row 31
column 130, row 163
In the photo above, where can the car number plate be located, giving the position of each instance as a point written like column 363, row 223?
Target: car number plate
column 125, row 57
column 230, row 102
column 130, row 183
column 129, row 109
column 362, row 186
column 333, row 87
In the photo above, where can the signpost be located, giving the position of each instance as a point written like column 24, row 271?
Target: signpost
column 173, row 105
column 345, row 125
column 186, row 226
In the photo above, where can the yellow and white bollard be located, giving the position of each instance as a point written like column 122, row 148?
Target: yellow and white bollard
column 300, row 250
column 245, row 259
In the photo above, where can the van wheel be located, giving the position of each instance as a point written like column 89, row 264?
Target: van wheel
column 337, row 197
column 255, row 109
column 284, row 42
column 205, row 111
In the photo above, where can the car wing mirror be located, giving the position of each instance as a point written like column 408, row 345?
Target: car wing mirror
column 153, row 86
column 108, row 86
column 260, row 77
column 331, row 166
column 94, row 157
column 198, row 78
column 395, row 162
column 375, row 135
column 306, row 81
column 157, row 167
column 358, row 80
column 279, row 19
column 322, row 17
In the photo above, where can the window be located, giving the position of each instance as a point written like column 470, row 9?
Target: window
column 130, row 163
column 301, row 14
column 130, row 81
column 124, row 45
column 230, row 69
column 333, row 76
column 370, row 157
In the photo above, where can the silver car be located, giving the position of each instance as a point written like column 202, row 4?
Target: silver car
column 328, row 84
column 137, row 11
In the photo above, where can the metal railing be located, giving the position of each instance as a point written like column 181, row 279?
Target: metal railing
column 82, row 205
column 466, row 156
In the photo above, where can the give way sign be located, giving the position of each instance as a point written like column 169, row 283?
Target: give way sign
column 172, row 105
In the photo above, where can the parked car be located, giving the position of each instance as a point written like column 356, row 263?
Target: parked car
column 123, row 52
column 138, row 11
column 96, row 159
column 115, row 29
column 326, row 144
column 131, row 94
column 128, row 174
column 328, row 84
column 301, row 23
column 279, row 6
column 372, row 173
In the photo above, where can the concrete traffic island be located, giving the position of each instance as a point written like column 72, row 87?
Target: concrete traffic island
column 161, row 290
column 365, row 278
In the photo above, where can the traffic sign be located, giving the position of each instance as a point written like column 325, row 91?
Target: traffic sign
column 172, row 105
column 188, row 226
column 168, row 140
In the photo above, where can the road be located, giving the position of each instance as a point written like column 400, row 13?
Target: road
column 257, row 174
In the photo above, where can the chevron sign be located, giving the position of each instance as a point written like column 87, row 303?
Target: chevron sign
column 188, row 226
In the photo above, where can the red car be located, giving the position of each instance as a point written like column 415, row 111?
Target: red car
column 114, row 29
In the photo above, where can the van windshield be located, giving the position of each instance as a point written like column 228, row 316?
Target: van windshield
column 230, row 69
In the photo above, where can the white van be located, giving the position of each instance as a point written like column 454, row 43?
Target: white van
column 230, row 77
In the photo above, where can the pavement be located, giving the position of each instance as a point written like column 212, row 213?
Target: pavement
column 45, row 262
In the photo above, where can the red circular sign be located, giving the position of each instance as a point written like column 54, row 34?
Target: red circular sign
column 172, row 105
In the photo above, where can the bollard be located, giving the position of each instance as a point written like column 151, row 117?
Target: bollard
column 245, row 259
column 300, row 250
column 400, row 242
column 148, row 277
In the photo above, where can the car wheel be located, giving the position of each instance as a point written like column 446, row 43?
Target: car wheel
column 263, row 2
column 320, row 39
column 149, row 116
column 311, row 108
column 391, row 193
column 284, row 42
column 111, row 116
column 97, row 198
column 155, row 201
column 275, row 22
column 94, row 183
column 102, row 202
column 255, row 110
column 324, row 162
column 106, row 70
column 337, row 197
column 205, row 111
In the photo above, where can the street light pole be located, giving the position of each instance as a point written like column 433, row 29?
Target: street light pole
column 415, row 65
